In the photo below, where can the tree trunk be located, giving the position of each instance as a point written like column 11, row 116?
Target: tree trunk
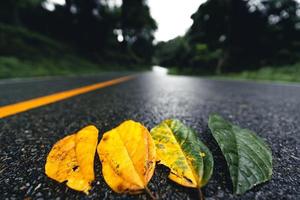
column 15, row 13
column 222, row 62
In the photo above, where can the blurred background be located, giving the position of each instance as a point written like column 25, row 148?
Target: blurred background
column 241, row 39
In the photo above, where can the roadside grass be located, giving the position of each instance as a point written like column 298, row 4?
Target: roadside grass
column 286, row 73
column 11, row 67
column 24, row 53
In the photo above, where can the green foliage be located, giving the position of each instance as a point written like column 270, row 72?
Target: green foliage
column 11, row 67
column 20, row 42
column 138, row 29
column 172, row 53
column 26, row 53
column 286, row 73
column 248, row 157
column 201, row 47
column 10, row 9
column 289, row 73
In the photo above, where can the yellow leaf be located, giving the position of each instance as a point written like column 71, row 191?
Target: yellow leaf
column 127, row 154
column 71, row 159
column 178, row 148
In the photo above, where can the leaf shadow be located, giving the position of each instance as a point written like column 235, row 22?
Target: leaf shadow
column 221, row 171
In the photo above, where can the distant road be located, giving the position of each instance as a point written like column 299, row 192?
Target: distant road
column 271, row 110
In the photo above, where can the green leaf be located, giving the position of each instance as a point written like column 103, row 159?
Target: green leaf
column 248, row 157
column 178, row 148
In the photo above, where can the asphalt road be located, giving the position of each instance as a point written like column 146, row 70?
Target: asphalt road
column 271, row 110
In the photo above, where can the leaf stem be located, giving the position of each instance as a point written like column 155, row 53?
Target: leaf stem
column 150, row 193
column 201, row 197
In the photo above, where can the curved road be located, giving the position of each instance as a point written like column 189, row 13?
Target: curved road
column 271, row 110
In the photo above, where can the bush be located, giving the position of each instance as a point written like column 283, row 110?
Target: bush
column 289, row 73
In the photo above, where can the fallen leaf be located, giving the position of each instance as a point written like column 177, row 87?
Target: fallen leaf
column 178, row 148
column 127, row 154
column 71, row 159
column 248, row 157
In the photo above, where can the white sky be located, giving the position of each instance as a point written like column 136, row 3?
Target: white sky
column 172, row 16
column 60, row 2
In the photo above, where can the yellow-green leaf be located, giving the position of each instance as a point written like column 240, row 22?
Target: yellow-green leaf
column 178, row 148
column 71, row 159
column 127, row 154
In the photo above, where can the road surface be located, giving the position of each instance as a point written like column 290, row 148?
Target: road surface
column 271, row 110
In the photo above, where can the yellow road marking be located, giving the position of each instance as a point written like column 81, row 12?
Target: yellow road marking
column 12, row 109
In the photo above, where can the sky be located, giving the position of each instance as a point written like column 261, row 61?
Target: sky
column 173, row 17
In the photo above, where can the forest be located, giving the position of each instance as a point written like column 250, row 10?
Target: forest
column 235, row 35
column 78, row 37
column 227, row 37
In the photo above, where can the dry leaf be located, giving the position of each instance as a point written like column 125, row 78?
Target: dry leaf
column 72, row 159
column 127, row 154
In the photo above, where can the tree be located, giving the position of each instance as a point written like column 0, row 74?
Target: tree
column 227, row 25
column 10, row 9
column 90, row 26
column 172, row 53
column 249, row 33
column 283, row 27
column 138, row 28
